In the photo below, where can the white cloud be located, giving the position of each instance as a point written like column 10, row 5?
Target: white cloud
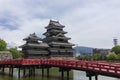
column 16, row 36
column 88, row 22
column 94, row 24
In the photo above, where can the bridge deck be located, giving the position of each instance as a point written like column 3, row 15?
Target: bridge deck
column 98, row 67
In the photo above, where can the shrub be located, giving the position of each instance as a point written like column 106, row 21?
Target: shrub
column 112, row 56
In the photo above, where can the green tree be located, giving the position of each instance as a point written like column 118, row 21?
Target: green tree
column 116, row 49
column 118, row 56
column 112, row 56
column 96, row 56
column 78, row 57
column 15, row 53
column 86, row 57
column 3, row 45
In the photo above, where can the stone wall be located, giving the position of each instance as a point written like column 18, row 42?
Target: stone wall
column 5, row 55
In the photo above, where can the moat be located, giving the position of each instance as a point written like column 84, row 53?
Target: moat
column 77, row 75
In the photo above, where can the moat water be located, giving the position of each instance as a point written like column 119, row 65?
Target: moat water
column 80, row 75
column 77, row 75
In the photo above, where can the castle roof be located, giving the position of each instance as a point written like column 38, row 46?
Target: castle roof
column 54, row 24
column 35, row 45
column 61, row 44
column 32, row 37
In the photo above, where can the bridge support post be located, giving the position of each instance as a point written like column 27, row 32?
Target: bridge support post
column 30, row 72
column 90, row 74
column 19, row 72
column 9, row 71
column 47, row 72
column 3, row 69
column 42, row 71
column 62, row 74
column 67, row 74
column 12, row 70
column 90, row 77
column 96, row 77
column 24, row 72
column 34, row 71
column 62, row 70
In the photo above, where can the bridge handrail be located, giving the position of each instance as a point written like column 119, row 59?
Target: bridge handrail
column 76, row 64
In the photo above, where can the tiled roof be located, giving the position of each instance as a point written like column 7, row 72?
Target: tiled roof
column 36, row 45
column 55, row 23
column 32, row 36
column 60, row 43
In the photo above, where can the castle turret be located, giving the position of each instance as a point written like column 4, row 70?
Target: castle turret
column 56, row 39
column 34, row 47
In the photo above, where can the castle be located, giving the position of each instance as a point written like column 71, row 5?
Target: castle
column 55, row 43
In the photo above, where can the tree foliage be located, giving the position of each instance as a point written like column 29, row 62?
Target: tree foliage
column 3, row 45
column 78, row 57
column 112, row 56
column 86, row 57
column 116, row 49
column 15, row 53
column 96, row 56
column 118, row 56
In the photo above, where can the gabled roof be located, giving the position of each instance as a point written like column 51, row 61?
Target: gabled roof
column 43, row 45
column 54, row 31
column 61, row 43
column 60, row 35
column 54, row 24
column 32, row 36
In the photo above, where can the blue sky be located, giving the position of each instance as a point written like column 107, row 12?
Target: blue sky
column 92, row 23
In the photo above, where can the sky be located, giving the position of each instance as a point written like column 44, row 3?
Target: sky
column 91, row 23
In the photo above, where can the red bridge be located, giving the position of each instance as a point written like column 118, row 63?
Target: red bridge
column 92, row 68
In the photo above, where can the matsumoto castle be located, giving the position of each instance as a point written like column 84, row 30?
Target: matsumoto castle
column 55, row 43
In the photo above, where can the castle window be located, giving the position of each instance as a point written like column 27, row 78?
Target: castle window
column 60, row 40
column 63, row 47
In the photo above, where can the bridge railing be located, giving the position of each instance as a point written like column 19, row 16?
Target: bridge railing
column 88, row 65
column 76, row 64
column 11, row 61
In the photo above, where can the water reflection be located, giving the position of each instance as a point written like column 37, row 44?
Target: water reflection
column 38, row 76
column 6, row 77
column 80, row 75
column 77, row 75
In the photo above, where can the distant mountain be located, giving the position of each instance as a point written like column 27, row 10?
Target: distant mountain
column 83, row 50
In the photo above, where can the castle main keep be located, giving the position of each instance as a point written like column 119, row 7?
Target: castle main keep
column 55, row 43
